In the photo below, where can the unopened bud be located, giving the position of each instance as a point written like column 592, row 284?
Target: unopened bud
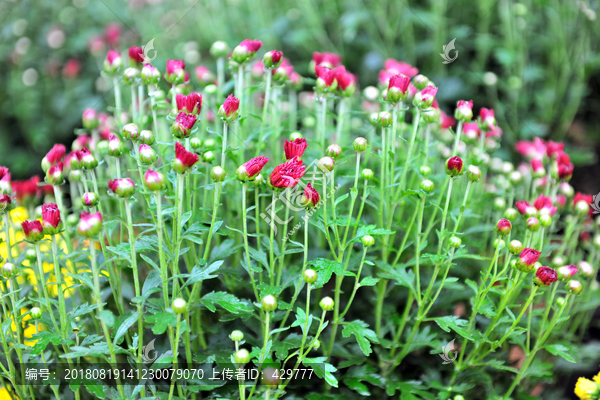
column 236, row 336
column 179, row 306
column 360, row 144
column 269, row 303
column 241, row 357
column 515, row 247
column 218, row 174
column 35, row 312
column 367, row 174
column 455, row 242
column 326, row 303
column 310, row 276
column 427, row 186
column 511, row 214
column 367, row 240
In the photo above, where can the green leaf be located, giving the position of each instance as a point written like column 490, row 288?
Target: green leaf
column 364, row 335
column 161, row 321
column 400, row 275
column 43, row 339
column 225, row 300
column 260, row 256
column 325, row 268
column 128, row 323
column 369, row 281
column 200, row 274
column 82, row 310
column 450, row 322
column 153, row 281
column 370, row 230
column 283, row 347
column 322, row 369
column 107, row 317
column 561, row 351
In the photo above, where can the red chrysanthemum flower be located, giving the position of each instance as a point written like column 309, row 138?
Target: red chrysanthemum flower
column 27, row 189
column 288, row 174
column 545, row 203
column 251, row 45
column 51, row 215
column 184, row 160
column 554, row 149
column 192, row 103
column 136, row 54
column 33, row 230
column 544, row 276
column 56, row 154
column 330, row 59
column 311, row 196
column 175, row 66
column 295, row 148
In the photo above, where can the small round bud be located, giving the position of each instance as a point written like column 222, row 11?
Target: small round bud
column 269, row 303
column 454, row 242
column 146, row 137
column 115, row 147
column 574, row 287
column 272, row 59
column 154, row 181
column 90, row 199
column 334, row 151
column 9, row 270
column 420, row 81
column 208, row 156
column 326, row 303
column 219, row 49
column 586, row 269
column 597, row 241
column 503, row 227
column 367, row 174
column 515, row 247
column 454, row 166
column 473, row 173
column 499, row 204
column 458, row 397
column 360, row 144
column 515, row 178
column 499, row 243
column 195, row 143
column 35, row 312
column 130, row 75
column 427, row 186
column 124, row 187
column 385, row 119
column 218, row 174
column 424, row 171
column 511, row 214
column 558, row 261
column 211, row 90
column 295, row 135
column 258, row 180
column 326, row 164
column 367, row 240
column 179, row 306
column 582, row 207
column 270, row 378
column 566, row 189
column 236, row 336
column 310, row 276
column 316, row 344
column 533, row 224
column 130, row 131
column 560, row 301
column 241, row 357
column 147, row 154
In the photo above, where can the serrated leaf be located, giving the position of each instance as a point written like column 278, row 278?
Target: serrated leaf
column 450, row 322
column 561, row 351
column 369, row 281
column 161, row 321
column 225, row 300
column 322, row 369
column 364, row 336
column 125, row 325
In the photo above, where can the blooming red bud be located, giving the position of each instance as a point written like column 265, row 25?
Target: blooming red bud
column 424, row 98
column 533, row 224
column 537, row 168
column 55, row 155
column 311, row 197
column 147, row 154
column 175, row 72
column 245, row 50
column 182, row 127
column 115, row 146
column 544, row 276
column 487, row 120
column 150, row 75
column 567, row 272
column 287, row 174
column 33, row 231
column 228, row 111
column 90, row 199
column 527, row 259
column 295, row 148
column 4, row 202
column 191, row 104
column 88, row 161
column 272, row 59
column 51, row 218
column 55, row 175
column 251, row 168
column 90, row 119
column 112, row 63
column 184, row 160
column 397, row 88
column 464, row 110
column 136, row 55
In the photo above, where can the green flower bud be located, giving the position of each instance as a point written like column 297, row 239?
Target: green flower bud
column 560, row 301
column 545, row 220
column 473, row 173
column 236, row 336
column 454, row 242
column 582, row 207
column 208, row 157
column 130, row 131
column 146, row 137
column 427, row 186
column 131, row 75
column 367, row 174
column 326, row 303
column 515, row 247
column 310, row 276
column 35, row 313
column 511, row 214
column 269, row 303
column 218, row 174
column 367, row 240
column 499, row 204
column 9, row 270
column 533, row 224
column 385, row 119
column 30, row 255
column 195, row 143
column 326, row 164
column 219, row 49
column 334, row 151
column 360, row 144
column 211, row 90
column 295, row 135
column 316, row 344
column 179, row 306
column 147, row 154
column 574, row 287
column 425, row 171
column 499, row 243
column 241, row 357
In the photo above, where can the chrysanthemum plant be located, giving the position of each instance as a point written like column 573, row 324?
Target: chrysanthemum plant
column 378, row 244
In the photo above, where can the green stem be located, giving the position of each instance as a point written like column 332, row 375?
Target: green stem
column 136, row 279
column 246, row 245
column 117, row 101
column 175, row 351
column 224, row 144
column 63, row 212
column 408, row 156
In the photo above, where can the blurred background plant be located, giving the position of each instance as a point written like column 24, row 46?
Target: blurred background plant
column 535, row 62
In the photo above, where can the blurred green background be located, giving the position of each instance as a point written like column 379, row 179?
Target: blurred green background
column 535, row 62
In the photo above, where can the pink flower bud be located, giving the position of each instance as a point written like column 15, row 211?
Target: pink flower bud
column 287, row 174
column 527, row 259
column 526, row 209
column 503, row 227
column 397, row 88
column 112, row 63
column 564, row 166
column 55, row 175
column 325, row 79
column 56, row 154
column 90, row 225
column 272, row 59
column 88, row 161
column 33, row 230
column 115, row 146
column 537, row 168
column 136, row 55
column 544, row 205
column 487, row 120
column 182, row 127
column 245, row 50
column 251, row 168
column 295, row 148
column 154, row 181
column 90, row 119
column 184, row 160
column 51, row 218
column 554, row 149
column 150, row 75
column 175, row 73
column 204, row 75
column 123, row 187
column 147, row 154
column 464, row 110
column 454, row 166
column 90, row 199
column 345, row 81
column 471, row 131
column 567, row 272
column 228, row 111
column 544, row 276
column 311, row 197
column 4, row 202
column 329, row 60
column 424, row 99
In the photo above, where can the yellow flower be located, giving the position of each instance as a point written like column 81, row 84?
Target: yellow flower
column 586, row 389
column 597, row 378
column 5, row 394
